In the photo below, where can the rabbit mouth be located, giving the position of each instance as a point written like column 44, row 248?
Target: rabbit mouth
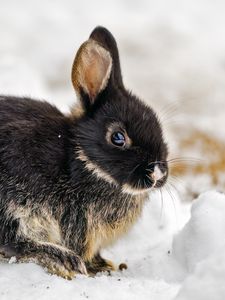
column 145, row 179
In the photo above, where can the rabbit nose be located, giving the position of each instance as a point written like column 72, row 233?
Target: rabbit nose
column 157, row 174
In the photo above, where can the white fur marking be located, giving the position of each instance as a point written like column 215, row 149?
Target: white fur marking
column 157, row 174
column 128, row 189
column 95, row 169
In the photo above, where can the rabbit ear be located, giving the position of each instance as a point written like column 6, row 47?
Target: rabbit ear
column 91, row 71
column 106, row 39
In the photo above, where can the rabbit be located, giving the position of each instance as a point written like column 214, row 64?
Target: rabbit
column 71, row 185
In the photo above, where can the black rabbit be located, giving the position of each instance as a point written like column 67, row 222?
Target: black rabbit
column 72, row 184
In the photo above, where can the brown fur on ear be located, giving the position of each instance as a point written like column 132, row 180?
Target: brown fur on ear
column 91, row 69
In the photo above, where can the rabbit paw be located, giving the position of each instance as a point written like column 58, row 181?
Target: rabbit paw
column 99, row 264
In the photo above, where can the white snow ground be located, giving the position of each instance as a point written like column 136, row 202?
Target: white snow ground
column 171, row 52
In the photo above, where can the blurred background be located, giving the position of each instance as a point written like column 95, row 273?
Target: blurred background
column 172, row 55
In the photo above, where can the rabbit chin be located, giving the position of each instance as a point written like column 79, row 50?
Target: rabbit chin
column 128, row 189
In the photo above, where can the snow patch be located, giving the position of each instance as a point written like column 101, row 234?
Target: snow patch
column 204, row 233
column 12, row 260
column 207, row 281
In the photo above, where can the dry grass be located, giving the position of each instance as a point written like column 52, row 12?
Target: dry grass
column 210, row 149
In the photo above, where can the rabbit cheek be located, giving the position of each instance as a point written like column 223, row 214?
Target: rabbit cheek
column 94, row 168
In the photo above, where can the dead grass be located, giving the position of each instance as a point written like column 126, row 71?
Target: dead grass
column 212, row 151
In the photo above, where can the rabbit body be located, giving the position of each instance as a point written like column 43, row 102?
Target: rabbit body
column 67, row 188
column 40, row 204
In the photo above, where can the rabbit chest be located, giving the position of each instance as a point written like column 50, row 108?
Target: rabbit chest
column 107, row 224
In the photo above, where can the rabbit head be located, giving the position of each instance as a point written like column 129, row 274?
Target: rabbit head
column 118, row 137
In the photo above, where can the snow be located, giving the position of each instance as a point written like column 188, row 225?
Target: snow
column 204, row 233
column 173, row 56
column 207, row 282
column 200, row 246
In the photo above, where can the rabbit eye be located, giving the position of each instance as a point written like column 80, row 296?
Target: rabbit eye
column 118, row 139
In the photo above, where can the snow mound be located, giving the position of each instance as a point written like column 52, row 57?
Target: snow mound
column 204, row 234
column 207, row 282
column 200, row 249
